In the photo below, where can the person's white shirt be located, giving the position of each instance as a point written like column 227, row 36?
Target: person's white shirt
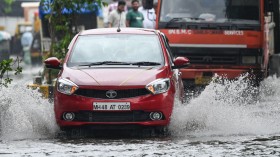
column 26, row 39
column 149, row 17
column 117, row 19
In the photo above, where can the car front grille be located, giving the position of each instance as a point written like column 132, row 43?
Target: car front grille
column 131, row 116
column 101, row 94
column 215, row 56
column 207, row 59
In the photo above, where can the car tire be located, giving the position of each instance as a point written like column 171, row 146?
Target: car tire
column 161, row 131
column 75, row 133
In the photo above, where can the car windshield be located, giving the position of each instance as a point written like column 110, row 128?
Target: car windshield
column 216, row 11
column 116, row 49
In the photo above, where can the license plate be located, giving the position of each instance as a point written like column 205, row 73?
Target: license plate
column 111, row 106
column 203, row 80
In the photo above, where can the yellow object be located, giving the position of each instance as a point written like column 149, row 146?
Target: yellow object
column 33, row 86
column 203, row 80
column 37, row 23
column 45, row 90
column 23, row 27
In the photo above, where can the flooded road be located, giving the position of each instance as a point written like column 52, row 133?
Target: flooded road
column 229, row 119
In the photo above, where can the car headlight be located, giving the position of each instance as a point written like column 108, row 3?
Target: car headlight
column 249, row 59
column 159, row 86
column 66, row 86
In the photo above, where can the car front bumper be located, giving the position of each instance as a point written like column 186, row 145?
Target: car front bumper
column 139, row 114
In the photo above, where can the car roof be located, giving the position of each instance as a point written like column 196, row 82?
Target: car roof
column 122, row 31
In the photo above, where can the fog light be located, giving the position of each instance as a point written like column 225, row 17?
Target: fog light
column 156, row 115
column 69, row 116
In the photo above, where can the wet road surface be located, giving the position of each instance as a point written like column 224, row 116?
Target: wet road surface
column 227, row 119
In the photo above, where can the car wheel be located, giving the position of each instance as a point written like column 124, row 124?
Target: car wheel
column 161, row 131
column 75, row 133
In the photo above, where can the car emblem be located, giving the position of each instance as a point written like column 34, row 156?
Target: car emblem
column 111, row 94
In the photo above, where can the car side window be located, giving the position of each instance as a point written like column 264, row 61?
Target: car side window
column 72, row 42
column 166, row 43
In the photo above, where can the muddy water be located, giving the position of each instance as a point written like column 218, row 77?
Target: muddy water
column 229, row 119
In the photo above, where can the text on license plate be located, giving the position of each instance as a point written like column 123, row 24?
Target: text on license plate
column 111, row 106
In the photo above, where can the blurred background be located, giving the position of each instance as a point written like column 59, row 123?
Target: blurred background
column 24, row 29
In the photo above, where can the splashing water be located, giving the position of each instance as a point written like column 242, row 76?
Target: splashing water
column 227, row 108
column 230, row 108
column 25, row 114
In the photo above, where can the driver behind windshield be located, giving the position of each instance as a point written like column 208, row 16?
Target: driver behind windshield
column 208, row 10
column 181, row 9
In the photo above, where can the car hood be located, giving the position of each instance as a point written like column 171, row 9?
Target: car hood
column 114, row 76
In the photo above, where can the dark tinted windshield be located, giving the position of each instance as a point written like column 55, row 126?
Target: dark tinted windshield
column 116, row 48
column 216, row 11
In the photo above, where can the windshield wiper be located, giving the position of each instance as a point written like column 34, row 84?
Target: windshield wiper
column 242, row 20
column 173, row 20
column 145, row 63
column 196, row 18
column 184, row 19
column 105, row 63
column 121, row 63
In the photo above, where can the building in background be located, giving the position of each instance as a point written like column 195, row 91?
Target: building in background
column 17, row 14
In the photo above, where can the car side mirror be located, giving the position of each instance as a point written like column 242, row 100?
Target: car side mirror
column 52, row 63
column 181, row 62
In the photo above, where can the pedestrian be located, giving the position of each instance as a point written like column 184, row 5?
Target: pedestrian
column 117, row 18
column 26, row 41
column 149, row 16
column 113, row 6
column 134, row 18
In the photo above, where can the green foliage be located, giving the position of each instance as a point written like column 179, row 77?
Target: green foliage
column 62, row 26
column 61, row 33
column 6, row 65
column 8, row 9
column 5, row 68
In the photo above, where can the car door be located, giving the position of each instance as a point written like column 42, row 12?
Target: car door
column 176, row 74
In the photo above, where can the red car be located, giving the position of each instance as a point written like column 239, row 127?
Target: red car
column 120, row 79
